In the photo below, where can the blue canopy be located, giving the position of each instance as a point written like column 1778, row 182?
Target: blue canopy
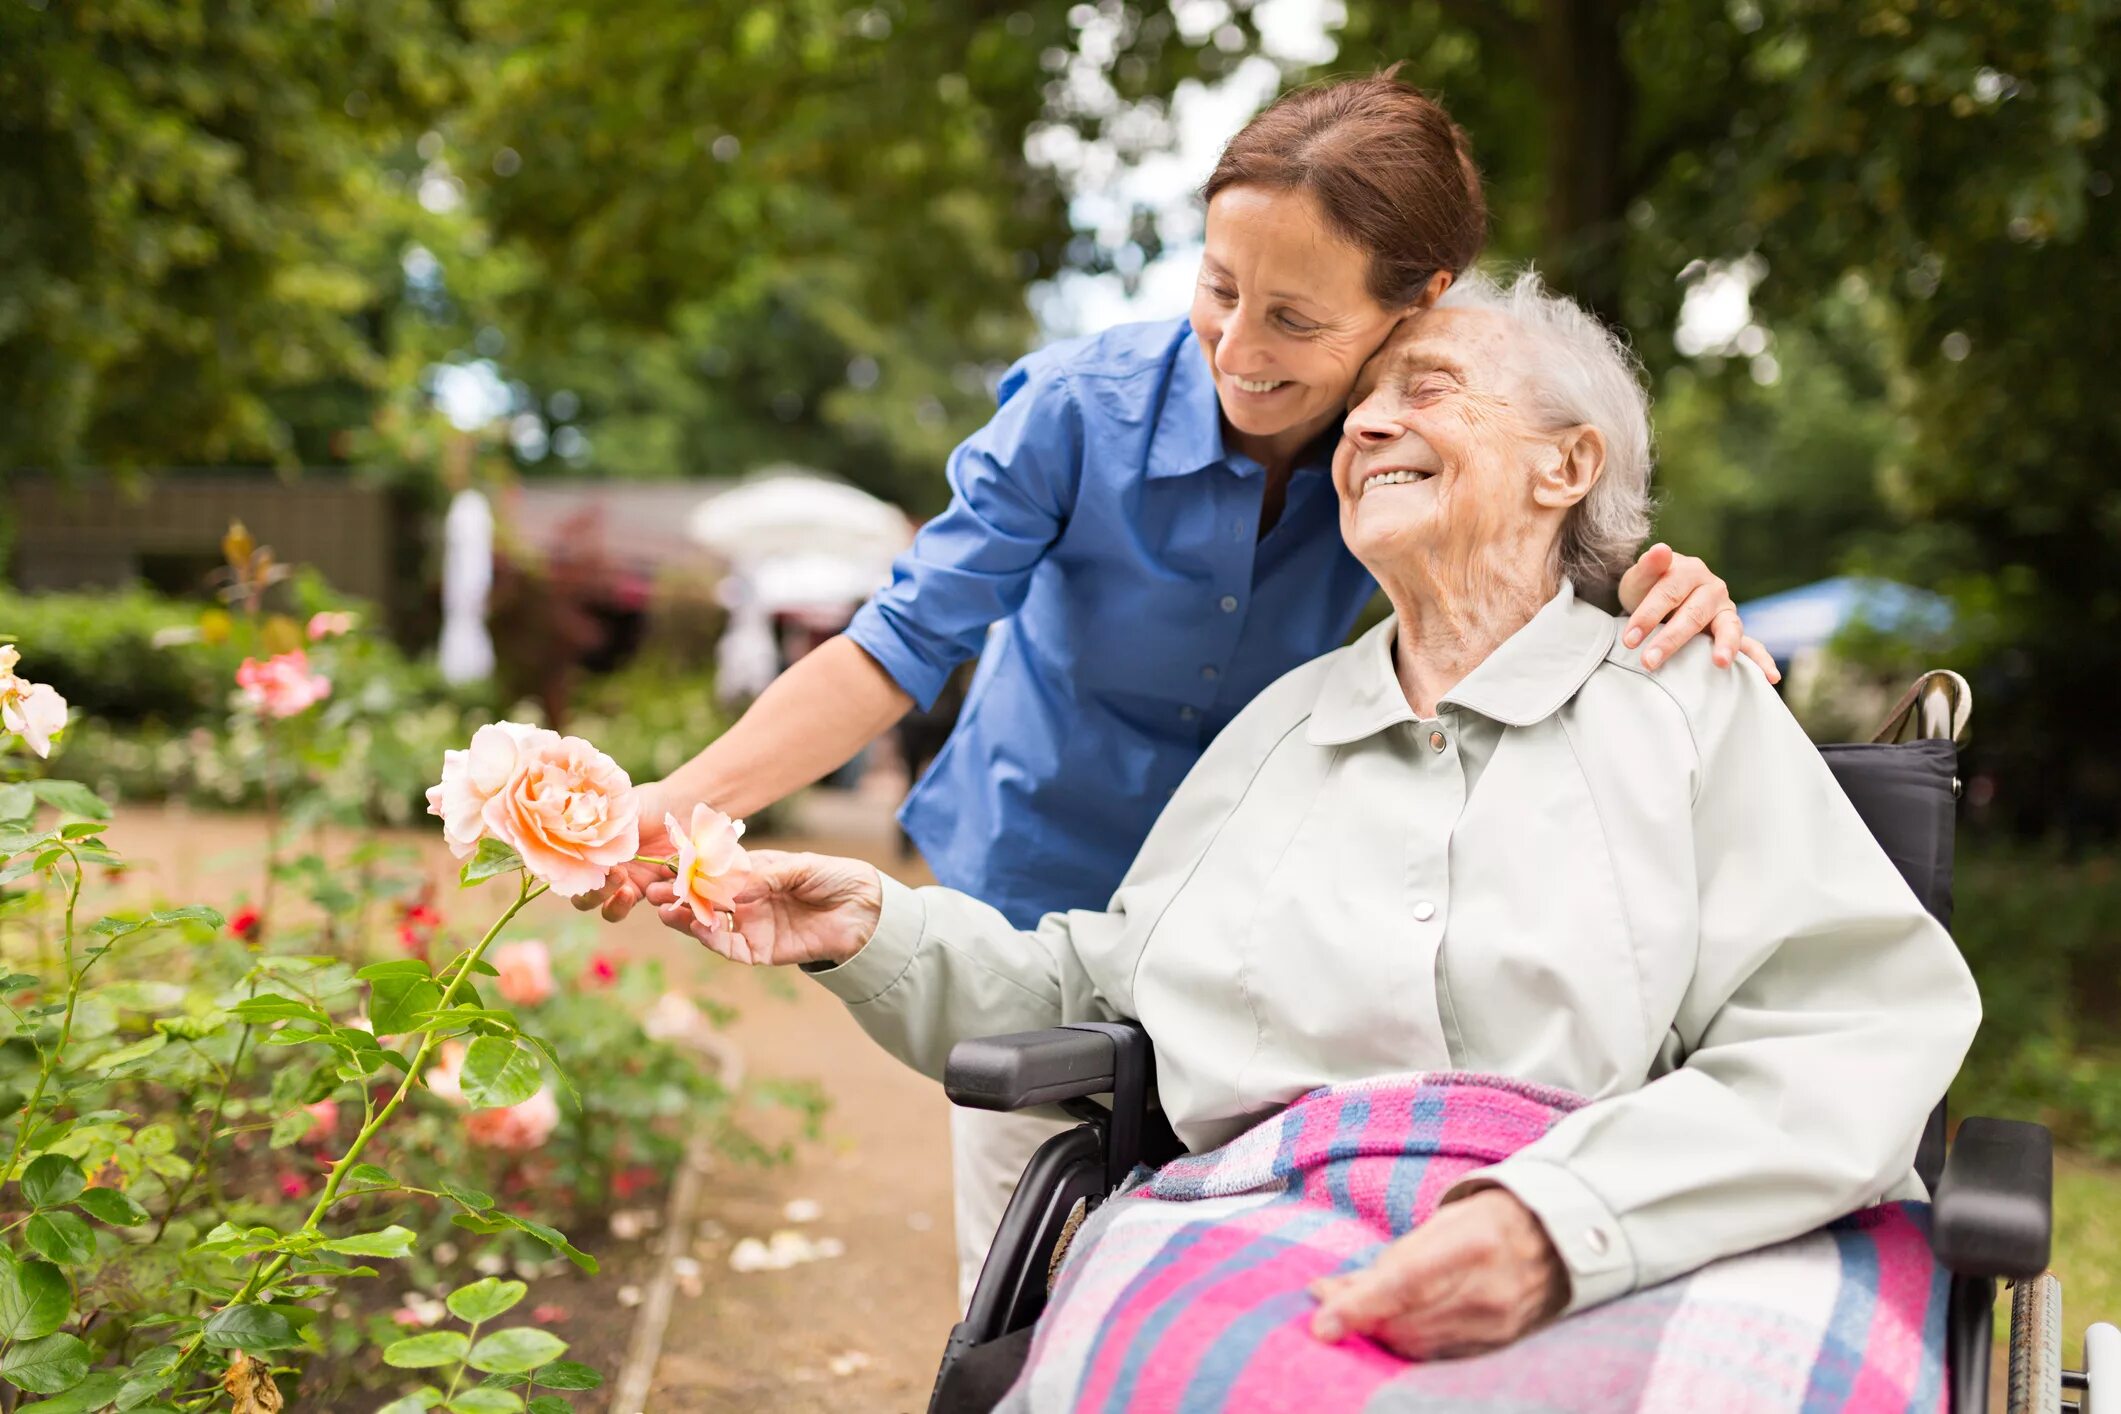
column 1810, row 615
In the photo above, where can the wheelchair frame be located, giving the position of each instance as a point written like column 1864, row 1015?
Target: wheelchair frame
column 1992, row 1187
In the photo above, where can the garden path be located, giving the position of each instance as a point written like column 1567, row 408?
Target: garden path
column 860, row 1331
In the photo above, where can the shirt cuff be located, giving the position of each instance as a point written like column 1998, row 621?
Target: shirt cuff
column 872, row 632
column 1582, row 1228
column 890, row 950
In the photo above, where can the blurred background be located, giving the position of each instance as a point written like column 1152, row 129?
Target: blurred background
column 638, row 331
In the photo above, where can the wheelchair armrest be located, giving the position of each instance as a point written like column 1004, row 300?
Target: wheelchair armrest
column 1993, row 1213
column 1073, row 1062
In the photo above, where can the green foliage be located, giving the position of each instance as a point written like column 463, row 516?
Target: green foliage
column 190, row 207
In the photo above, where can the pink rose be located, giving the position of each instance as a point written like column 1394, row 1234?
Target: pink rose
column 474, row 776
column 565, row 807
column 515, row 1128
column 329, row 625
column 324, row 1120
column 712, row 866
column 526, row 972
column 282, row 685
column 31, row 710
column 445, row 1077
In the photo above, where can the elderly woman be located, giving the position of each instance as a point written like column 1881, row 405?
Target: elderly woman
column 1483, row 839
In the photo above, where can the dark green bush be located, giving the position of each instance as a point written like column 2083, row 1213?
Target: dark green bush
column 2042, row 932
column 98, row 649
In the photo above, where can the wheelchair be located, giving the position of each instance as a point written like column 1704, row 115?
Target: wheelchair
column 1992, row 1185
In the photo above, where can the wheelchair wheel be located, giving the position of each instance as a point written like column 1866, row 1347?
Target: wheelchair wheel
column 2036, row 1346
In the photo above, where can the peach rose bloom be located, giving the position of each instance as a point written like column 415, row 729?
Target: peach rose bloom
column 31, row 710
column 474, row 776
column 445, row 1077
column 327, row 624
column 568, row 810
column 515, row 1128
column 282, row 685
column 525, row 970
column 712, row 865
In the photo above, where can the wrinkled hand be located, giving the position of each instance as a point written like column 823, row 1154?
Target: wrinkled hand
column 1684, row 596
column 797, row 908
column 1477, row 1275
column 627, row 884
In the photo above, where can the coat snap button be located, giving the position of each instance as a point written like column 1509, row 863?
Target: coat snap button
column 1595, row 1239
column 1424, row 911
column 1436, row 741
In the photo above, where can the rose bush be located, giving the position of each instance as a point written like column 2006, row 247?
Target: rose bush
column 219, row 1129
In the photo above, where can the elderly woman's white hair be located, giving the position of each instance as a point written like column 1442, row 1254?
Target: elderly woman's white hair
column 1586, row 376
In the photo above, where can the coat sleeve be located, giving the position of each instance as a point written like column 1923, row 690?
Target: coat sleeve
column 942, row 966
column 1013, row 485
column 1827, row 1014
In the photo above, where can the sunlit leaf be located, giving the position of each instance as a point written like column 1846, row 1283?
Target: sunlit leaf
column 492, row 857
column 111, row 1206
column 47, row 1365
column 516, row 1351
column 392, row 1241
column 52, row 1179
column 34, row 1299
column 485, row 1299
column 423, row 1352
column 500, row 1071
column 70, row 798
column 250, row 1327
column 64, row 1237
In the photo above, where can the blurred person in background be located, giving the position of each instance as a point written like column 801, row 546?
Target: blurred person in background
column 1150, row 524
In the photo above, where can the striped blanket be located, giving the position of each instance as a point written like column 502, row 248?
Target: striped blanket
column 1188, row 1293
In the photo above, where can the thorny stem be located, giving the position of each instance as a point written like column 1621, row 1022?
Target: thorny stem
column 261, row 1277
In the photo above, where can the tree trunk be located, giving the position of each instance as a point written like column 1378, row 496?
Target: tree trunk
column 1590, row 105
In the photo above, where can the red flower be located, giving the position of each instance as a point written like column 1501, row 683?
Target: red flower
column 246, row 924
column 627, row 1182
column 601, row 972
column 417, row 927
column 293, row 1185
column 548, row 1314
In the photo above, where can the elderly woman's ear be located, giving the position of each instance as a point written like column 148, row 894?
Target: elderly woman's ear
column 1570, row 474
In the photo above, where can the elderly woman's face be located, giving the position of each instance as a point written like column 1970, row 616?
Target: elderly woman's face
column 1439, row 452
column 1282, row 311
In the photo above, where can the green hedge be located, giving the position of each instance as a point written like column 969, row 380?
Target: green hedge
column 99, row 651
column 2042, row 932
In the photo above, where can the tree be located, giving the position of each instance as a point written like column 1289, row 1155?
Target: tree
column 185, row 189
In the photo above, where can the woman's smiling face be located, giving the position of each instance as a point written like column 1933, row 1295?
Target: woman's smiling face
column 1283, row 313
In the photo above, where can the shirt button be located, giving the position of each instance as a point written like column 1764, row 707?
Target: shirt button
column 1187, row 714
column 1595, row 1239
column 1209, row 674
column 1424, row 911
column 1436, row 741
column 1229, row 603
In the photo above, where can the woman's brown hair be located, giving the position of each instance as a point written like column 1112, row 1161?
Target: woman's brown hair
column 1390, row 169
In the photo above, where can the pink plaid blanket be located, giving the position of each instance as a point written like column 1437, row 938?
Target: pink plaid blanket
column 1188, row 1293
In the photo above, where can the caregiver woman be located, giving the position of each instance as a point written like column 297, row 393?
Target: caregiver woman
column 1150, row 524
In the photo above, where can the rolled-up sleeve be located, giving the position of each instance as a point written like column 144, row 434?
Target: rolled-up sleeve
column 1012, row 486
column 1827, row 1014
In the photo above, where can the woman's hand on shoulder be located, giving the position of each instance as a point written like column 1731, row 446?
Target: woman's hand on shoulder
column 1670, row 597
column 795, row 908
column 1477, row 1275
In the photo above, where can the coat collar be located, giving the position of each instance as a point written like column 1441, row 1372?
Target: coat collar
column 1526, row 680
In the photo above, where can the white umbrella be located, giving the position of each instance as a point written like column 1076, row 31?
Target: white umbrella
column 800, row 515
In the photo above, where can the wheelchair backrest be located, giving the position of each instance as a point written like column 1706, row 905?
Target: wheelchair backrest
column 1906, row 793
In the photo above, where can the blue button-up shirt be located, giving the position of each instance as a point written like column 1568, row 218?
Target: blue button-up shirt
column 1102, row 528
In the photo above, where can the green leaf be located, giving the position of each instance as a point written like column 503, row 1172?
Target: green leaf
column 112, row 1207
column 424, row 1352
column 148, row 1375
column 469, row 1197
column 368, row 1176
column 269, row 1007
column 81, row 830
column 500, row 1071
column 52, row 1179
column 289, row 1128
column 403, row 967
column 70, row 798
column 94, row 1392
column 392, row 1241
column 484, row 1299
column 492, row 857
column 15, row 982
column 61, row 1236
column 550, row 1404
column 517, row 1351
column 34, row 1299
column 45, row 1366
column 418, row 1402
column 482, row 1400
column 190, row 913
column 138, row 1050
column 17, row 803
column 551, row 1236
column 569, row 1374
column 251, row 1328
column 396, row 1002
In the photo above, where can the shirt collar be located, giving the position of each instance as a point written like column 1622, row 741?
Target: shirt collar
column 1189, row 426
column 1525, row 680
